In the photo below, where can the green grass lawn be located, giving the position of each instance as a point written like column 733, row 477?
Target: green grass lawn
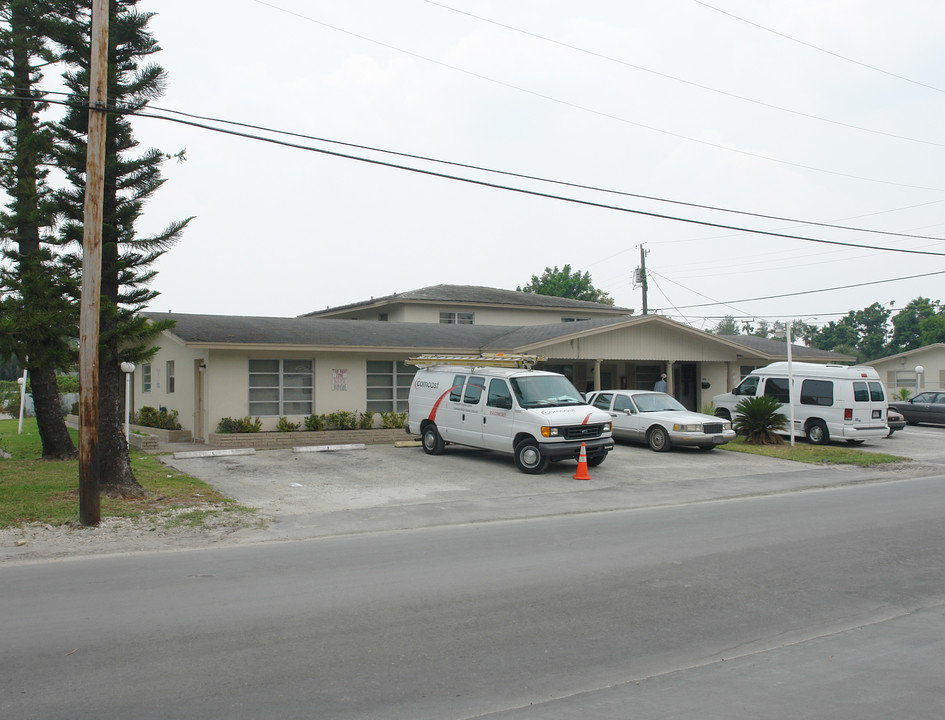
column 815, row 454
column 36, row 490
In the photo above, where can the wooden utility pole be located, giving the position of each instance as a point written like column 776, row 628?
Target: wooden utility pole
column 643, row 275
column 90, row 510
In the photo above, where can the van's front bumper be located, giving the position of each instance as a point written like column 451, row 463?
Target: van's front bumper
column 572, row 449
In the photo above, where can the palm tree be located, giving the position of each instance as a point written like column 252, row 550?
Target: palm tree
column 759, row 419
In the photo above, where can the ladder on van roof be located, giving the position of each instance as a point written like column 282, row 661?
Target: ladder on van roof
column 484, row 360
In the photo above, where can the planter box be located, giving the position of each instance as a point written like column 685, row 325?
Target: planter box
column 150, row 436
column 278, row 440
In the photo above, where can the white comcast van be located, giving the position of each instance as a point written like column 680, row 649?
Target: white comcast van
column 498, row 403
column 831, row 402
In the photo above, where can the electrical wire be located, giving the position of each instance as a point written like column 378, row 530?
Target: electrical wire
column 820, row 49
column 600, row 113
column 508, row 188
column 562, row 183
column 667, row 76
column 810, row 292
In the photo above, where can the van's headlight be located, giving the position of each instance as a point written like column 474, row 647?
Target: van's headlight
column 549, row 431
column 606, row 427
column 687, row 428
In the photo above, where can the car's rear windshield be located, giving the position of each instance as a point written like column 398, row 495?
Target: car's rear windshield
column 545, row 391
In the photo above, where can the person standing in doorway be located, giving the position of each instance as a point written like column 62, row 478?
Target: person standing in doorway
column 660, row 385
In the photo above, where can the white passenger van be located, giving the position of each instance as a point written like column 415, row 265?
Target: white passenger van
column 831, row 402
column 498, row 402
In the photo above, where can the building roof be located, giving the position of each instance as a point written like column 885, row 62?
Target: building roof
column 907, row 353
column 331, row 333
column 777, row 348
column 475, row 295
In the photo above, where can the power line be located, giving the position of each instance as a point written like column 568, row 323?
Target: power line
column 667, row 76
column 583, row 108
column 808, row 292
column 820, row 49
column 508, row 188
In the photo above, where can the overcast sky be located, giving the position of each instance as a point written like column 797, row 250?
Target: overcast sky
column 813, row 110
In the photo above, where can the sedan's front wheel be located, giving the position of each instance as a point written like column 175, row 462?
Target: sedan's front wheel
column 659, row 439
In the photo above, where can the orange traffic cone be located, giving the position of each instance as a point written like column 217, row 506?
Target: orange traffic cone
column 581, row 473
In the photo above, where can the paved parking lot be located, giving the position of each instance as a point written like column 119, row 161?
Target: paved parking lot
column 383, row 487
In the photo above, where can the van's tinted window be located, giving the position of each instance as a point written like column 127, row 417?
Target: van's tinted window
column 474, row 389
column 749, row 386
column 860, row 393
column 876, row 392
column 457, row 392
column 499, row 394
column 817, row 392
column 777, row 388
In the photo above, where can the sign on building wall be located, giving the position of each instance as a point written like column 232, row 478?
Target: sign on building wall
column 339, row 379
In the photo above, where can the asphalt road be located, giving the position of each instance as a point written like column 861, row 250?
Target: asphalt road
column 815, row 604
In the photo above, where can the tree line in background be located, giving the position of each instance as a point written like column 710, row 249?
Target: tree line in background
column 867, row 334
column 42, row 227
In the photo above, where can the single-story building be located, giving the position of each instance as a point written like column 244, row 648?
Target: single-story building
column 899, row 371
column 209, row 367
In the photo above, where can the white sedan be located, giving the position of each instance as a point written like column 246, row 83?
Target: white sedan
column 660, row 420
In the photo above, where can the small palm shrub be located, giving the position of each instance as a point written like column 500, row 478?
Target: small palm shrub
column 759, row 419
column 365, row 420
column 903, row 394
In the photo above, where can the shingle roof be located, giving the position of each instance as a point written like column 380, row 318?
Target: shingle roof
column 777, row 348
column 324, row 332
column 476, row 295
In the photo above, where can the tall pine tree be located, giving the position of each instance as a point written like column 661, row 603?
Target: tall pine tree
column 38, row 318
column 132, row 176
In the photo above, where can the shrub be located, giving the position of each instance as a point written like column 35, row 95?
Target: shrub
column 342, row 420
column 903, row 394
column 239, row 425
column 366, row 420
column 315, row 422
column 67, row 384
column 285, row 426
column 393, row 420
column 149, row 417
column 759, row 418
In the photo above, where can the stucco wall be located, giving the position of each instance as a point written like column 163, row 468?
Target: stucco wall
column 932, row 358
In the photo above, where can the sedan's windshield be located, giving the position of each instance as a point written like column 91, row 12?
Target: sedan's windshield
column 657, row 402
column 545, row 391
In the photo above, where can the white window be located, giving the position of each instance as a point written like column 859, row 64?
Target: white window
column 388, row 384
column 907, row 379
column 146, row 377
column 456, row 318
column 170, row 376
column 281, row 387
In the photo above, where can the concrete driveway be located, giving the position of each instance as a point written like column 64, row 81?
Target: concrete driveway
column 383, row 487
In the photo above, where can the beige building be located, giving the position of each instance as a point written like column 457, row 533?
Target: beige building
column 209, row 367
column 899, row 371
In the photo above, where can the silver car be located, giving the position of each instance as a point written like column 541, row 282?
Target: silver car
column 660, row 420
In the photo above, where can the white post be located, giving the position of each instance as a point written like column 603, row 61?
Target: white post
column 918, row 378
column 790, row 374
column 22, row 383
column 128, row 368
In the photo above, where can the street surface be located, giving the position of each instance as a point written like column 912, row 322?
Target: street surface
column 815, row 604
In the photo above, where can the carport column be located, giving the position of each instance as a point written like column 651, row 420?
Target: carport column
column 670, row 387
column 597, row 364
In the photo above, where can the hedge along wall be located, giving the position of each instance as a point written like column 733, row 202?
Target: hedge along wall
column 275, row 440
